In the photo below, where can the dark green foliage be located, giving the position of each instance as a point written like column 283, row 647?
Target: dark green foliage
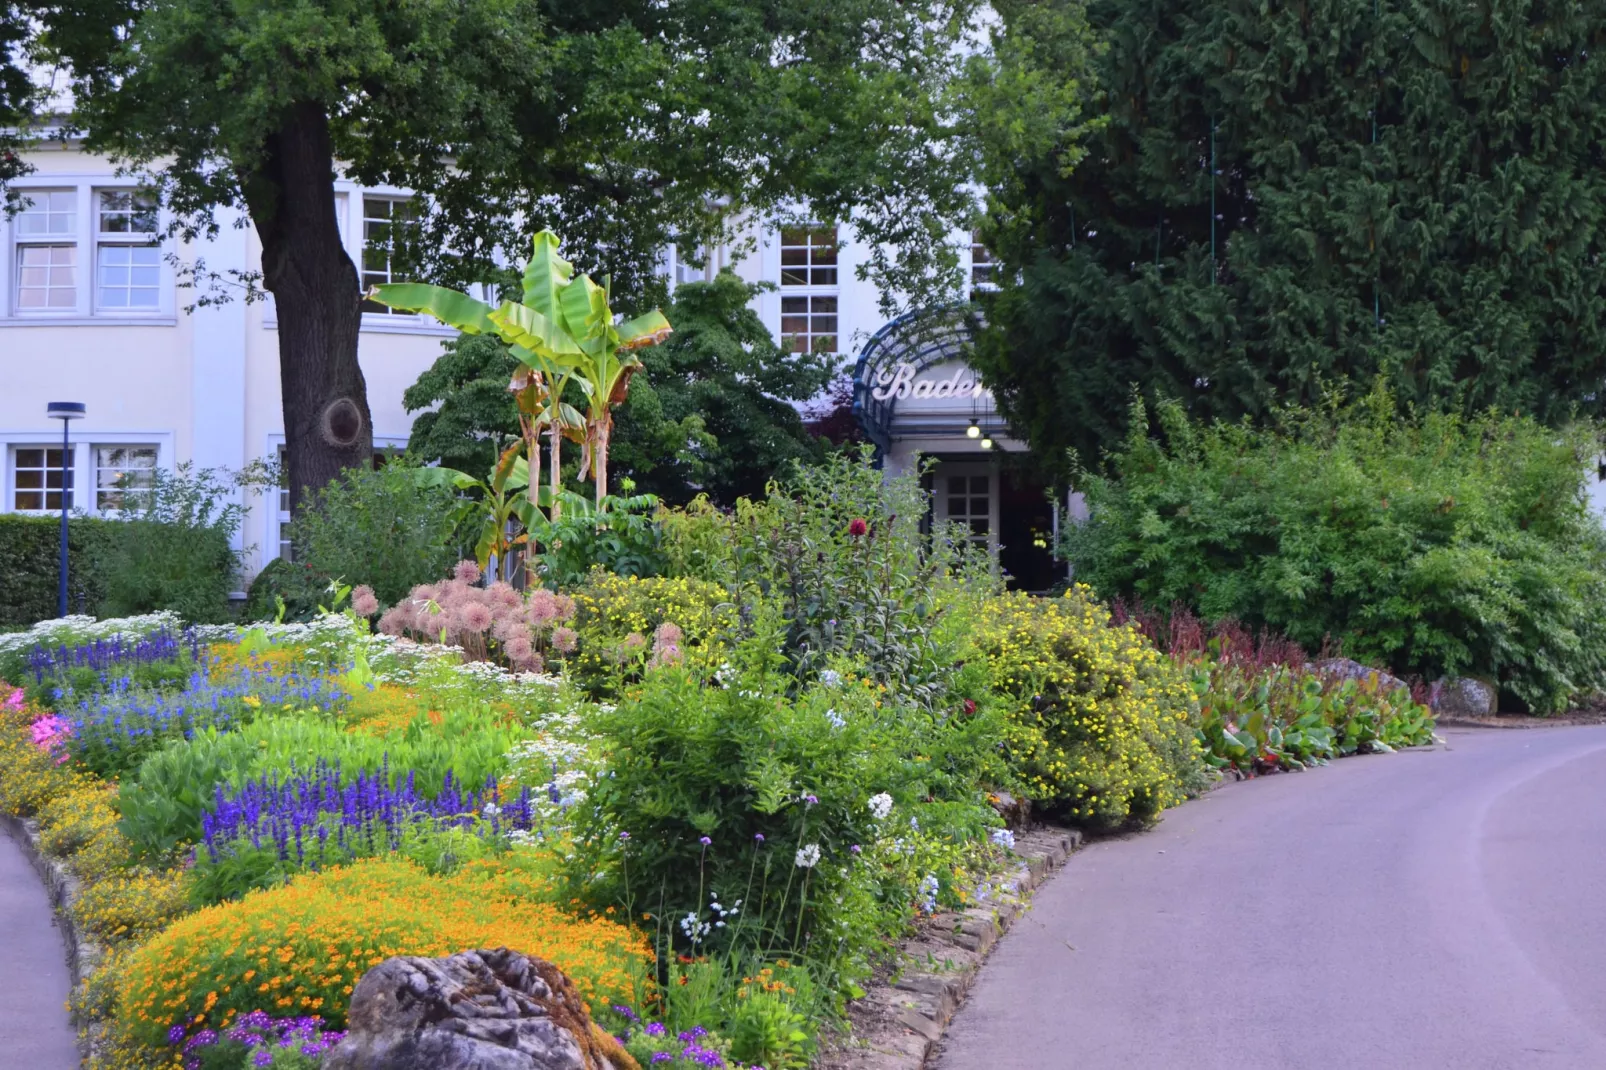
column 300, row 587
column 1431, row 545
column 624, row 539
column 380, row 527
column 29, row 567
column 709, row 413
column 1406, row 190
column 175, row 548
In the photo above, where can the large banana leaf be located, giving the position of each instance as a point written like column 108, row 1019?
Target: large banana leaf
column 586, row 314
column 546, row 276
column 647, row 330
column 523, row 326
column 452, row 308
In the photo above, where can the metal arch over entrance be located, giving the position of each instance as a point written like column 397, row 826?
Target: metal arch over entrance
column 921, row 339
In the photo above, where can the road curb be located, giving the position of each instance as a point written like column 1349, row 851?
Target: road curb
column 83, row 955
column 898, row 1023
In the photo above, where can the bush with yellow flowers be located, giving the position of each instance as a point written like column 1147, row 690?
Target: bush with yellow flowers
column 625, row 623
column 301, row 948
column 1100, row 725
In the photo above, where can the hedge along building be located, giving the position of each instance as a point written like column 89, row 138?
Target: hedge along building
column 919, row 402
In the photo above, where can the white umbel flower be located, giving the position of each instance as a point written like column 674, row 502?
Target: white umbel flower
column 808, row 856
column 880, row 805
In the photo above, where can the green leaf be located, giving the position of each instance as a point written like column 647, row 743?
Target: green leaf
column 545, row 276
column 451, row 307
column 521, row 325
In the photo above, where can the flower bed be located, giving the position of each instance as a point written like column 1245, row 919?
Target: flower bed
column 716, row 802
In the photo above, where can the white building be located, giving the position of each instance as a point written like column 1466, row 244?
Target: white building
column 90, row 311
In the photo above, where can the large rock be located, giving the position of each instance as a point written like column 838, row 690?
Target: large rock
column 1465, row 696
column 476, row 1010
column 1346, row 669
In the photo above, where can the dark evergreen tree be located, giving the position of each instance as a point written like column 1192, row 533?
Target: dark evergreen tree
column 1287, row 197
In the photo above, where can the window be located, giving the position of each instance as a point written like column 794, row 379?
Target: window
column 120, row 471
column 127, row 258
column 808, row 256
column 970, row 504
column 37, row 478
column 983, row 269
column 383, row 221
column 47, row 252
column 283, row 525
column 687, row 267
column 810, row 323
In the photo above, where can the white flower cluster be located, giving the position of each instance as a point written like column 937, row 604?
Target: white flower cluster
column 830, row 677
column 808, row 856
column 694, row 927
column 1003, row 838
column 880, row 806
column 836, row 719
column 72, row 630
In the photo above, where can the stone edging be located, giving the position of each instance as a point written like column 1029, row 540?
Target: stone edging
column 83, row 955
column 898, row 1022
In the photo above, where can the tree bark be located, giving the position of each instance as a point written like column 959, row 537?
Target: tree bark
column 290, row 195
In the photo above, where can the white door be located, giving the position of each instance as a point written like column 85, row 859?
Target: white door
column 967, row 494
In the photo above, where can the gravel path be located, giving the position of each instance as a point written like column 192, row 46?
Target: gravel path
column 1441, row 908
column 34, row 985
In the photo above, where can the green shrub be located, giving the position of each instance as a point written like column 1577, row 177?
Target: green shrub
column 623, row 539
column 301, row 588
column 30, row 568
column 1100, row 725
column 174, row 550
column 1433, row 545
column 732, row 789
column 379, row 527
column 839, row 548
column 610, row 609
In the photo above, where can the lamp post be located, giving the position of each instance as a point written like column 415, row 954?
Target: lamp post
column 66, row 412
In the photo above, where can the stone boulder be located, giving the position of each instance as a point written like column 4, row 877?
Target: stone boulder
column 1345, row 669
column 476, row 1010
column 1465, row 696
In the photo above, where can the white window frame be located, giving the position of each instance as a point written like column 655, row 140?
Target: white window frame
column 86, row 220
column 988, row 265
column 94, row 469
column 809, row 290
column 968, row 470
column 73, row 482
column 84, row 444
column 123, row 239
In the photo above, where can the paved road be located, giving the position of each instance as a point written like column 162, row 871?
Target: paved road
column 34, row 1034
column 1442, row 908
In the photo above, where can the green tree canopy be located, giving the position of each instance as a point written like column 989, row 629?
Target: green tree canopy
column 18, row 93
column 623, row 125
column 1291, row 195
column 712, row 411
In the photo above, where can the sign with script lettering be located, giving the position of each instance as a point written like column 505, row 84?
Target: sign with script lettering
column 902, row 381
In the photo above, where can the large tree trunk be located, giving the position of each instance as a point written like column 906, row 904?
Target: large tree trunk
column 291, row 197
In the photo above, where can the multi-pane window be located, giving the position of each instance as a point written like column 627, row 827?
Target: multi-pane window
column 283, row 506
column 128, row 260
column 809, row 323
column 47, row 252
column 970, row 504
column 696, row 265
column 384, row 220
column 983, row 269
column 38, row 479
column 121, row 472
column 808, row 256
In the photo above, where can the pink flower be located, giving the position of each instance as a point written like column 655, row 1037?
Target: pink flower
column 363, row 601
column 503, row 596
column 395, row 620
column 474, row 618
column 668, row 634
column 635, row 641
column 14, row 700
column 667, row 654
column 857, row 527
column 507, row 629
column 467, row 572
column 520, row 649
column 541, row 608
column 564, row 640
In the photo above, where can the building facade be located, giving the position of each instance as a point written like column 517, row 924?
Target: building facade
column 92, row 311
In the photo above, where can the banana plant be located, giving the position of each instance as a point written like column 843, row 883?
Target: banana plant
column 499, row 503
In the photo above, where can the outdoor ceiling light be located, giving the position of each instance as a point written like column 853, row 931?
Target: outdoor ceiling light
column 987, row 442
column 973, row 431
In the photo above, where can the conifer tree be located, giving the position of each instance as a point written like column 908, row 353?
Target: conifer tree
column 1290, row 196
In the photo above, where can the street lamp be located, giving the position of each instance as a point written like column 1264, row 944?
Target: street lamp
column 66, row 412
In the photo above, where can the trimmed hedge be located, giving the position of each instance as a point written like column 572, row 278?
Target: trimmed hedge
column 29, row 547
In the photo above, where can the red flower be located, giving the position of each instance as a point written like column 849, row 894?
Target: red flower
column 970, row 706
column 857, row 527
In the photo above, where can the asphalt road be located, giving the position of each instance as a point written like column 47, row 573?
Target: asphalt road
column 34, row 985
column 1426, row 909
